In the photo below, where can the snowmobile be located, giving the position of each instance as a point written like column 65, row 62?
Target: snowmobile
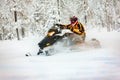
column 54, row 35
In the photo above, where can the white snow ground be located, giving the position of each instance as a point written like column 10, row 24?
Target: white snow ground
column 95, row 64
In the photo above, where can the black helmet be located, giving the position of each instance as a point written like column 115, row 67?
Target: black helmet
column 73, row 19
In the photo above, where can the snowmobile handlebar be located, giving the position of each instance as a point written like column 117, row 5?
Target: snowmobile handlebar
column 58, row 25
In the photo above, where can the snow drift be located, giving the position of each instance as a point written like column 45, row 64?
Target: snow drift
column 95, row 64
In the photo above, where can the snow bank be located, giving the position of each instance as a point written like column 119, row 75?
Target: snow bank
column 97, row 64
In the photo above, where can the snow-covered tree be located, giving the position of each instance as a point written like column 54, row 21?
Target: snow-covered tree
column 37, row 16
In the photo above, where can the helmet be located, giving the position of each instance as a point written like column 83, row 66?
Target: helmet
column 73, row 19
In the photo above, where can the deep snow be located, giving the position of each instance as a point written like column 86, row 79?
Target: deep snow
column 94, row 64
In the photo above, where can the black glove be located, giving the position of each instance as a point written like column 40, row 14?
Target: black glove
column 58, row 24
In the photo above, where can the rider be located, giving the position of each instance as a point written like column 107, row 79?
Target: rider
column 76, row 27
column 78, row 35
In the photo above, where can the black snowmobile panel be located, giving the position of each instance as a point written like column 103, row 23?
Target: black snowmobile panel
column 48, row 41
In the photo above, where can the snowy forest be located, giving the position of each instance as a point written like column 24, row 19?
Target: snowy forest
column 24, row 24
column 22, row 18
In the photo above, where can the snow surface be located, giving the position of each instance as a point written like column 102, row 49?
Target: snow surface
column 94, row 64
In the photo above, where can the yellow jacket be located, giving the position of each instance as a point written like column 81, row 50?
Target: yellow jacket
column 76, row 28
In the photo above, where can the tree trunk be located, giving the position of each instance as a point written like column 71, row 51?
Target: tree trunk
column 85, row 8
column 17, row 31
column 85, row 19
column 18, row 37
column 58, row 2
column 3, row 33
column 15, row 16
column 23, row 32
column 0, row 36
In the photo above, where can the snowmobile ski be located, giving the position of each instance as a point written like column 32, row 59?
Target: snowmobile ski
column 45, row 53
column 28, row 54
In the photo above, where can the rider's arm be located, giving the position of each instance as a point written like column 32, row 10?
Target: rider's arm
column 63, row 26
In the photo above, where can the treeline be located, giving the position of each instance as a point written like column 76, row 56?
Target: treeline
column 22, row 18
